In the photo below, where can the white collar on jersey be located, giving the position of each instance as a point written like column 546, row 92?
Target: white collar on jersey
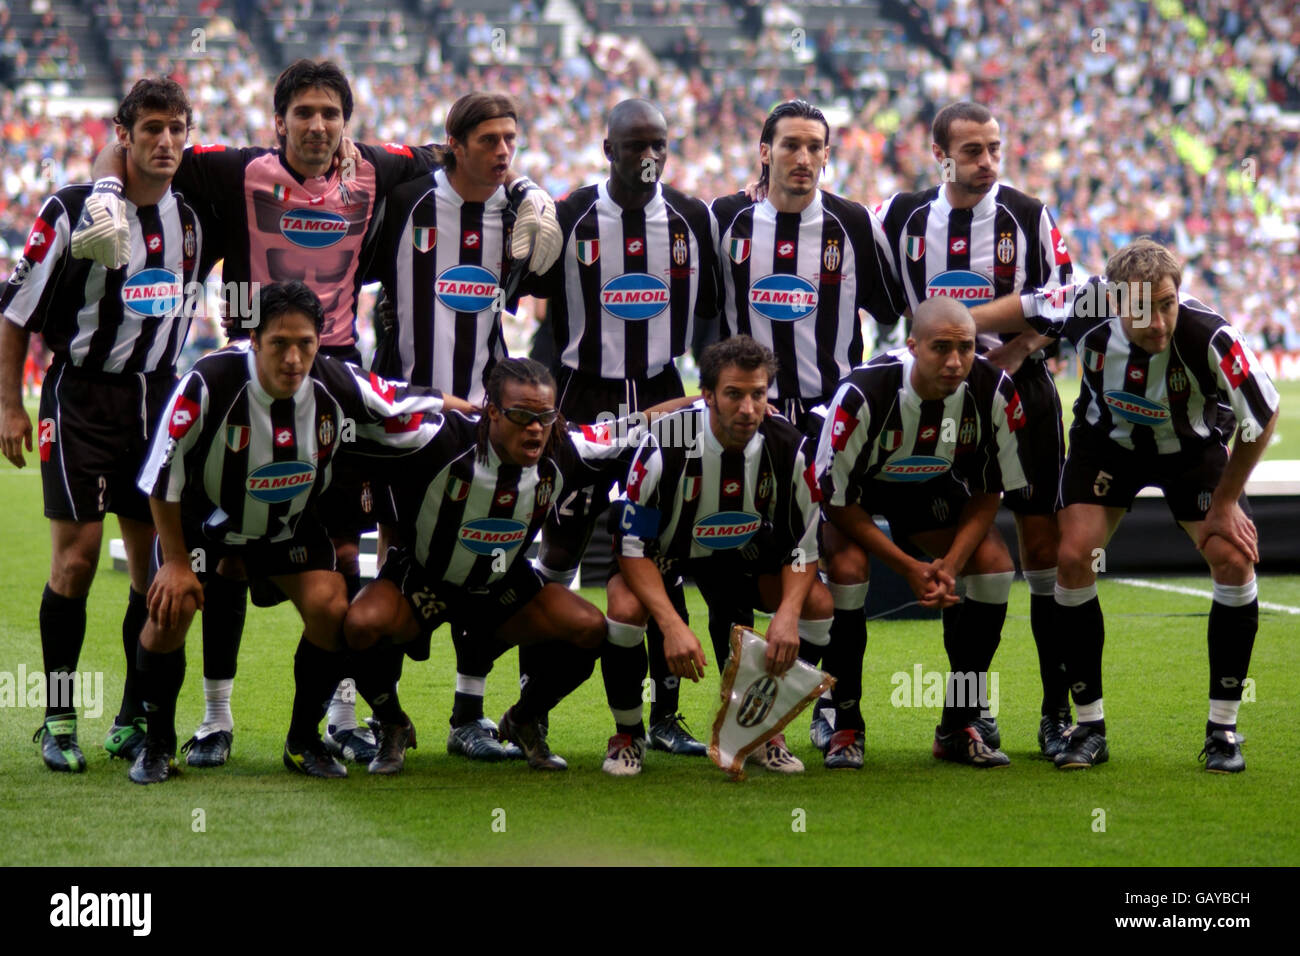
column 497, row 200
column 711, row 443
column 813, row 211
column 602, row 195
column 982, row 208
column 264, row 398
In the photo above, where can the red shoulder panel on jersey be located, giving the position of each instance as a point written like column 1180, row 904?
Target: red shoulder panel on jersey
column 1061, row 254
column 398, row 148
column 40, row 240
column 1235, row 367
column 209, row 148
column 1015, row 412
column 810, row 479
column 842, row 428
column 184, row 414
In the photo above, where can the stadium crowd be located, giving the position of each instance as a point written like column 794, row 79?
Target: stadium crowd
column 1125, row 118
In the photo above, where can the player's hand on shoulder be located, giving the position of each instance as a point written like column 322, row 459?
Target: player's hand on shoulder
column 347, row 157
column 103, row 233
column 15, row 432
column 537, row 232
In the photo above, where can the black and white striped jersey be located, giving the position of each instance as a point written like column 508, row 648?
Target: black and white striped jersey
column 1163, row 403
column 630, row 283
column 1005, row 243
column 466, row 520
column 441, row 259
column 688, row 498
column 878, row 429
column 118, row 321
column 246, row 465
column 795, row 282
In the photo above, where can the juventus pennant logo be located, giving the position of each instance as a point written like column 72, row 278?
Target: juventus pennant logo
column 588, row 251
column 423, row 238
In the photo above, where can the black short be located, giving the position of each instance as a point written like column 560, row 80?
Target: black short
column 309, row 549
column 482, row 609
column 1100, row 472
column 1042, row 441
column 913, row 507
column 586, row 399
column 348, row 506
column 94, row 433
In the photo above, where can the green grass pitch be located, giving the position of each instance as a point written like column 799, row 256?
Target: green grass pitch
column 1155, row 803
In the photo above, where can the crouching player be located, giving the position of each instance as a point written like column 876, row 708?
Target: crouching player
column 926, row 437
column 468, row 505
column 244, row 450
column 1158, row 368
column 723, row 493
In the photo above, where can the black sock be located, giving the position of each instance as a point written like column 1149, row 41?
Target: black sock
column 954, row 718
column 225, row 602
column 1083, row 635
column 623, row 669
column 137, row 613
column 316, row 672
column 982, row 624
column 63, row 631
column 1231, row 638
column 1051, row 665
column 161, row 676
column 843, row 661
column 665, row 702
column 352, row 581
column 556, row 669
column 376, row 670
column 811, row 653
column 474, row 656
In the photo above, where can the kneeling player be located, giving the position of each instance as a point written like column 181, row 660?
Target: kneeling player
column 736, row 510
column 468, row 504
column 1158, row 367
column 933, row 409
column 235, row 469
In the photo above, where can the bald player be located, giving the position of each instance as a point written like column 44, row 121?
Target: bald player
column 926, row 436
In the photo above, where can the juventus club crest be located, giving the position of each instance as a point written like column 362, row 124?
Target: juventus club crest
column 679, row 249
column 367, row 498
column 190, row 244
column 765, row 485
column 544, row 490
column 1177, row 380
column 325, row 431
column 831, row 255
column 966, row 436
column 588, row 250
column 1006, row 249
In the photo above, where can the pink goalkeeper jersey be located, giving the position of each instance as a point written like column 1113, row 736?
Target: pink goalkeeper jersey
column 278, row 226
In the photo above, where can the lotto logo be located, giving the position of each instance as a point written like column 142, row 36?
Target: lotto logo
column 153, row 242
column 184, row 414
column 283, row 437
column 957, row 247
column 506, row 498
column 785, row 250
column 635, row 247
column 842, row 428
column 471, row 239
column 731, row 487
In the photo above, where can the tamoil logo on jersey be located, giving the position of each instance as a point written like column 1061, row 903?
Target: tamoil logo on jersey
column 726, row 529
column 152, row 292
column 313, row 228
column 914, row 468
column 1136, row 408
column 485, row 535
column 960, row 284
column 280, row 481
column 634, row 296
column 783, row 298
column 466, row 288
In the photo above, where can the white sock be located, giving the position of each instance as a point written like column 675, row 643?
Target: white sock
column 1073, row 597
column 471, row 686
column 1042, row 582
column 216, row 707
column 1224, row 712
column 1090, row 713
column 343, row 707
column 816, row 632
column 1236, row 595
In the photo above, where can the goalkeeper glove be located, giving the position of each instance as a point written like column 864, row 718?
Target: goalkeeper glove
column 102, row 232
column 536, row 227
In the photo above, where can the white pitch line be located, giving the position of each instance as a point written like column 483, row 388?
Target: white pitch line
column 1175, row 589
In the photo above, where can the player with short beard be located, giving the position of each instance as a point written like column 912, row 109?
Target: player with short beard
column 116, row 334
